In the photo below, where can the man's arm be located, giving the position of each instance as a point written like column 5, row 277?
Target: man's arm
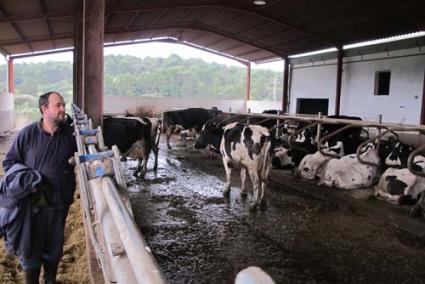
column 15, row 154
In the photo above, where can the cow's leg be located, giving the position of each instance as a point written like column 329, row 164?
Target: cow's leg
column 170, row 130
column 255, row 180
column 139, row 166
column 145, row 155
column 155, row 150
column 243, row 179
column 228, row 170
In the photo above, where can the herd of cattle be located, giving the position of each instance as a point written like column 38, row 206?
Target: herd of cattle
column 254, row 147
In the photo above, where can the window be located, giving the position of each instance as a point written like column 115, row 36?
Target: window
column 312, row 106
column 382, row 83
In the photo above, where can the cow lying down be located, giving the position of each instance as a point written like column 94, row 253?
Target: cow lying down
column 311, row 164
column 349, row 173
column 248, row 147
column 400, row 186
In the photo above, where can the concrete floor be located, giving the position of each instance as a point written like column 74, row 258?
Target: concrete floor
column 307, row 234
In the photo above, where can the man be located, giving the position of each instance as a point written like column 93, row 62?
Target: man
column 45, row 146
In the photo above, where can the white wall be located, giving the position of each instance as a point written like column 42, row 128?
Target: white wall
column 259, row 106
column 119, row 104
column 6, row 112
column 403, row 105
column 313, row 82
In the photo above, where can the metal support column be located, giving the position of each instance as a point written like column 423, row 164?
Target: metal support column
column 94, row 18
column 248, row 82
column 10, row 77
column 285, row 95
column 338, row 81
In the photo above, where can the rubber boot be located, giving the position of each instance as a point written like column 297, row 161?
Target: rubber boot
column 50, row 271
column 32, row 275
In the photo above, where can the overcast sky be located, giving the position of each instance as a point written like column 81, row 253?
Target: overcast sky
column 155, row 49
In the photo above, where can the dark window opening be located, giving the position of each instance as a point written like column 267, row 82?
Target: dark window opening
column 312, row 106
column 382, row 83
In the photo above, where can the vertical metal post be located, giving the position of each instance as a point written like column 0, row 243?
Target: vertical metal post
column 285, row 95
column 248, row 82
column 319, row 128
column 338, row 81
column 10, row 76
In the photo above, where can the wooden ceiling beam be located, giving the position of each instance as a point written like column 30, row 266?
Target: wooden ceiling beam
column 36, row 17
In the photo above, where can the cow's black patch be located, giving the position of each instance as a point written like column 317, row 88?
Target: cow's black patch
column 395, row 186
column 232, row 135
column 249, row 143
column 406, row 200
column 369, row 177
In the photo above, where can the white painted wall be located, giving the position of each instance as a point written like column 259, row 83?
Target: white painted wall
column 6, row 112
column 313, row 83
column 403, row 105
column 119, row 104
column 259, row 106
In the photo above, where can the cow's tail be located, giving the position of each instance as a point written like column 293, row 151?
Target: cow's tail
column 266, row 163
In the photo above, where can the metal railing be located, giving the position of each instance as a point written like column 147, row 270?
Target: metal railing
column 121, row 251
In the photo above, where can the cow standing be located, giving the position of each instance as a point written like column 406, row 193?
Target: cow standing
column 188, row 118
column 248, row 147
column 135, row 137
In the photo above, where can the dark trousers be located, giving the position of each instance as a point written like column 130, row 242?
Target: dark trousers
column 47, row 238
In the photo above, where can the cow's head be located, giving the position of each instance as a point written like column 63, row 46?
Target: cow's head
column 395, row 153
column 210, row 134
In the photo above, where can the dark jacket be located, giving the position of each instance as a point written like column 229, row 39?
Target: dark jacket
column 16, row 207
column 48, row 154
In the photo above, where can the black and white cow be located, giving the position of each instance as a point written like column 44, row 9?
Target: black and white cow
column 248, row 147
column 134, row 137
column 349, row 173
column 394, row 153
column 342, row 143
column 400, row 185
column 188, row 118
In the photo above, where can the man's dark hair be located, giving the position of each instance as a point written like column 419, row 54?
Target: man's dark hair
column 44, row 100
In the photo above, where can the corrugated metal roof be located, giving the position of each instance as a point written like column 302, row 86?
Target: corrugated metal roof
column 235, row 28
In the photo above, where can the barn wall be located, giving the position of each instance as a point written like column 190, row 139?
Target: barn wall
column 314, row 83
column 259, row 106
column 403, row 105
column 119, row 104
column 6, row 112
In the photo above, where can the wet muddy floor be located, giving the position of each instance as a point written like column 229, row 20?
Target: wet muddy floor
column 198, row 236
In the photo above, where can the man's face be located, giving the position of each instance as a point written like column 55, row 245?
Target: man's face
column 55, row 110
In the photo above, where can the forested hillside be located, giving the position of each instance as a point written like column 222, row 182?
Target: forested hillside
column 150, row 77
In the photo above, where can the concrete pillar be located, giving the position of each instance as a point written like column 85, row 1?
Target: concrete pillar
column 285, row 95
column 94, row 17
column 78, row 98
column 10, row 77
column 248, row 82
column 338, row 81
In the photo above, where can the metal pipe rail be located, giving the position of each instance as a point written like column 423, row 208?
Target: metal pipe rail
column 120, row 248
column 325, row 120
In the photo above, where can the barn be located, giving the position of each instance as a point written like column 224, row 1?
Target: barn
column 361, row 62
